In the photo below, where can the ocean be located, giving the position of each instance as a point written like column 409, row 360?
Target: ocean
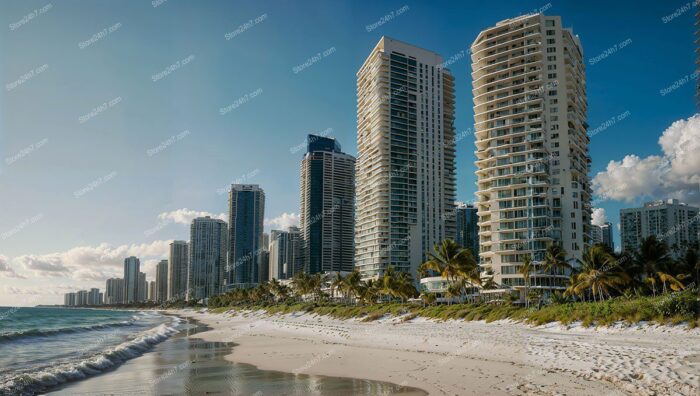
column 61, row 351
column 41, row 348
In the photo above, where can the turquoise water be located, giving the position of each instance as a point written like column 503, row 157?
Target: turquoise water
column 41, row 348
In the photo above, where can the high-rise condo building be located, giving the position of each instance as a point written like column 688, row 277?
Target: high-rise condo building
column 246, row 215
column 69, row 300
column 177, row 270
column 143, row 288
column 285, row 253
column 81, row 298
column 132, row 266
column 596, row 234
column 114, row 291
column 467, row 228
column 161, row 285
column 264, row 274
column 671, row 221
column 93, row 297
column 529, row 89
column 327, row 207
column 152, row 292
column 406, row 157
column 607, row 239
column 208, row 239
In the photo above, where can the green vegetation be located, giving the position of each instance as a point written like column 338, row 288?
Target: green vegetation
column 673, row 308
column 603, row 288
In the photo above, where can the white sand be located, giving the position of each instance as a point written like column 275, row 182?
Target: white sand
column 460, row 358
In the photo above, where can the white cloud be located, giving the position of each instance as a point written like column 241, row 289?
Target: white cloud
column 6, row 270
column 598, row 217
column 185, row 216
column 94, row 263
column 674, row 174
column 283, row 221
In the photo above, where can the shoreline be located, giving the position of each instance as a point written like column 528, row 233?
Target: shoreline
column 457, row 357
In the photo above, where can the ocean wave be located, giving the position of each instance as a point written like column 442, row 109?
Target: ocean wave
column 14, row 335
column 37, row 381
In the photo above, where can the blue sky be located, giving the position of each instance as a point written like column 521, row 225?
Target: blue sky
column 91, row 88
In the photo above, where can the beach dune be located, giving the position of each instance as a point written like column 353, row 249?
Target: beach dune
column 462, row 358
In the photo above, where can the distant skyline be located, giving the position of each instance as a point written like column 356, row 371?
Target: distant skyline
column 122, row 121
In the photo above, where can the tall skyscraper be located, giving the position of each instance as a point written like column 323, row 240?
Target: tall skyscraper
column 161, row 285
column 81, row 298
column 69, row 300
column 142, row 292
column 177, row 270
column 285, row 256
column 132, row 266
column 264, row 274
column 93, row 297
column 208, row 238
column 266, row 241
column 529, row 88
column 246, row 215
column 671, row 221
column 596, row 234
column 327, row 206
column 467, row 227
column 406, row 151
column 152, row 292
column 114, row 291
column 607, row 231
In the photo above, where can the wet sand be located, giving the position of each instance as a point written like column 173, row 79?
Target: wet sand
column 186, row 364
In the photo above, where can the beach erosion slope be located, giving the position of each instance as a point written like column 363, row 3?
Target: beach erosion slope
column 462, row 358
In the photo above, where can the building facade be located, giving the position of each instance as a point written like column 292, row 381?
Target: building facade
column 596, row 234
column 132, row 266
column 246, row 215
column 406, row 157
column 467, row 227
column 178, row 264
column 670, row 221
column 208, row 239
column 285, row 254
column 607, row 235
column 70, row 299
column 142, row 288
column 114, row 291
column 161, row 285
column 327, row 215
column 532, row 158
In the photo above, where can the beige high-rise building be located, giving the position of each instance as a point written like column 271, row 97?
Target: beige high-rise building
column 405, row 168
column 529, row 89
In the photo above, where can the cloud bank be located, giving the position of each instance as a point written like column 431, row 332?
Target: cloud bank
column 675, row 173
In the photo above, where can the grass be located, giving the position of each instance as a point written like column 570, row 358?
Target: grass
column 673, row 309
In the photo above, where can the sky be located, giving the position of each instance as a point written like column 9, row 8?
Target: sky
column 122, row 121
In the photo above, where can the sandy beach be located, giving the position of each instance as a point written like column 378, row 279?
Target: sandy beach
column 462, row 358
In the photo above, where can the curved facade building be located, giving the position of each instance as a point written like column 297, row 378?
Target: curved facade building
column 530, row 107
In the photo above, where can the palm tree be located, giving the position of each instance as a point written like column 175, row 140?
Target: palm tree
column 674, row 282
column 451, row 261
column 351, row 284
column 525, row 271
column 555, row 259
column 337, row 283
column 453, row 290
column 369, row 291
column 651, row 258
column 600, row 273
column 301, row 282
